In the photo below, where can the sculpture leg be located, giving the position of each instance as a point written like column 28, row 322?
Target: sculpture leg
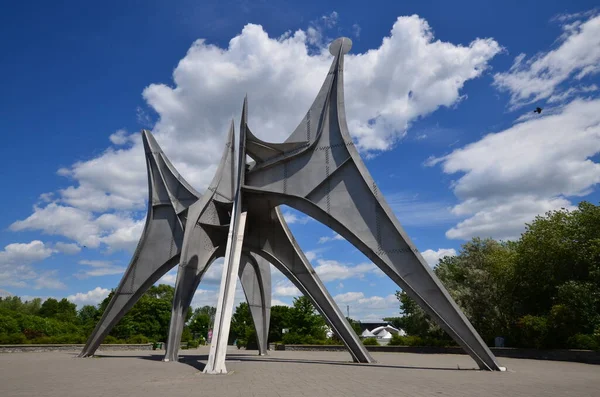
column 218, row 346
column 255, row 276
column 152, row 259
column 188, row 279
column 382, row 241
column 269, row 236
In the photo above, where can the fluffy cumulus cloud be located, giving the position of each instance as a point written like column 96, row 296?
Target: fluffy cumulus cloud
column 412, row 210
column 532, row 167
column 292, row 217
column 433, row 257
column 363, row 308
column 92, row 297
column 67, row 248
column 285, row 288
column 16, row 269
column 95, row 268
column 331, row 270
column 208, row 297
column 544, row 161
column 542, row 76
column 117, row 231
column 410, row 75
column 326, row 239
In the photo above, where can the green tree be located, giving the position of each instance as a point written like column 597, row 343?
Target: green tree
column 556, row 248
column 242, row 327
column 280, row 319
column 480, row 279
column 414, row 321
column 49, row 308
column 201, row 321
column 33, row 306
column 150, row 316
column 306, row 326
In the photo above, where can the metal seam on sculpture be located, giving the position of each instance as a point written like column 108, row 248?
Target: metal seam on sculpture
column 334, row 146
column 328, row 182
column 275, row 159
column 285, row 177
column 397, row 250
column 308, row 126
column 172, row 239
column 377, row 215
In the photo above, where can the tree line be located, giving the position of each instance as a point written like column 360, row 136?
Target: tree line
column 541, row 290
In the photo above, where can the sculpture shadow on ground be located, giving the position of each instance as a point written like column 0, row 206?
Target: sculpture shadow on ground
column 198, row 361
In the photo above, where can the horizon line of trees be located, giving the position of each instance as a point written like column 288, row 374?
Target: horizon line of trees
column 541, row 291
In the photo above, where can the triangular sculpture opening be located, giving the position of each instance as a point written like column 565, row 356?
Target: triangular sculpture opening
column 318, row 171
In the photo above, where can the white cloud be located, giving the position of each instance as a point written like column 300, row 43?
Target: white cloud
column 208, row 297
column 67, row 248
column 116, row 231
column 577, row 56
column 330, row 270
column 92, row 297
column 99, row 268
column 48, row 280
column 169, row 278
column 368, row 308
column 503, row 220
column 285, row 288
column 120, row 137
column 433, row 257
column 56, row 219
column 349, row 297
column 25, row 252
column 413, row 211
column 277, row 302
column 15, row 265
column 532, row 167
column 408, row 76
column 326, row 239
column 292, row 217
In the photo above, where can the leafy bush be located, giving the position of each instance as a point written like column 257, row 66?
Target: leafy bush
column 585, row 342
column 138, row 339
column 111, row 340
column 193, row 344
column 8, row 325
column 370, row 342
column 398, row 340
column 532, row 331
column 12, row 339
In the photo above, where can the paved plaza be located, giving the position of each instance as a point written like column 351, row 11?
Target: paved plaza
column 286, row 374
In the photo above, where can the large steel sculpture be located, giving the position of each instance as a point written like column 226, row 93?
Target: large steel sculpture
column 318, row 171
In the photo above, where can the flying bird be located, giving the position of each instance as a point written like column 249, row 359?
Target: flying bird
column 538, row 110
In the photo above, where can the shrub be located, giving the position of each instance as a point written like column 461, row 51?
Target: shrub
column 110, row 340
column 533, row 331
column 241, row 342
column 581, row 341
column 397, row 340
column 412, row 340
column 12, row 339
column 138, row 339
column 370, row 342
column 193, row 344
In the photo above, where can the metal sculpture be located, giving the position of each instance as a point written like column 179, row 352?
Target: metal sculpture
column 318, row 171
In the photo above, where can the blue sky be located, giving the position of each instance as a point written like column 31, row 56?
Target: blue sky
column 451, row 86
